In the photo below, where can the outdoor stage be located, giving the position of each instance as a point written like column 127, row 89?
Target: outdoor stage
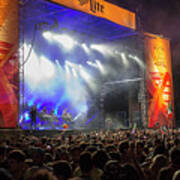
column 74, row 61
column 85, row 58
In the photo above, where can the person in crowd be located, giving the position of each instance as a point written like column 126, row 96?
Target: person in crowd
column 140, row 155
column 128, row 171
column 75, row 156
column 86, row 170
column 62, row 170
column 159, row 161
column 112, row 170
column 2, row 156
column 5, row 175
column 33, row 114
column 37, row 155
column 176, row 175
column 168, row 172
column 16, row 163
column 124, row 149
column 100, row 158
column 43, row 174
column 92, row 155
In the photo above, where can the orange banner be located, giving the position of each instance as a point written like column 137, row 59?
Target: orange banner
column 159, row 81
column 9, row 76
column 103, row 9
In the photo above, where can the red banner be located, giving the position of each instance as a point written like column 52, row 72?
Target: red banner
column 9, row 75
column 159, row 81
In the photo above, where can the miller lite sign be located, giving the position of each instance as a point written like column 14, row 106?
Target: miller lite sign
column 103, row 9
column 94, row 5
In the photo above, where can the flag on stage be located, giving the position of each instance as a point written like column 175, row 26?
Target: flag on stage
column 163, row 130
column 134, row 128
column 170, row 113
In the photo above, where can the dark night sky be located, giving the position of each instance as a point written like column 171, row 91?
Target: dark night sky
column 161, row 17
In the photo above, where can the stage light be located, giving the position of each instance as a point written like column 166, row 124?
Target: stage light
column 116, row 52
column 67, row 69
column 100, row 48
column 21, row 119
column 69, row 63
column 83, row 108
column 85, row 47
column 84, row 74
column 74, row 73
column 92, row 64
column 59, row 66
column 80, row 66
column 124, row 59
column 46, row 67
column 139, row 61
column 100, row 66
column 26, row 115
column 72, row 65
column 31, row 70
column 89, row 79
column 103, row 49
column 66, row 41
column 68, row 73
column 48, row 35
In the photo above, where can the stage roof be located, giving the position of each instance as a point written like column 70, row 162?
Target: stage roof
column 46, row 15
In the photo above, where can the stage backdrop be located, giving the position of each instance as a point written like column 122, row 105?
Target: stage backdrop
column 8, row 63
column 103, row 9
column 159, row 81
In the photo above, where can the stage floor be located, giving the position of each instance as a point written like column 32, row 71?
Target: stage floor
column 6, row 134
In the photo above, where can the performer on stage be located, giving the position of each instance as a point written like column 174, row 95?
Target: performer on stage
column 33, row 114
column 67, row 118
column 44, row 110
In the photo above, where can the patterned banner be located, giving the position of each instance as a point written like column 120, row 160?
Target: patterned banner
column 102, row 9
column 9, row 76
column 159, row 81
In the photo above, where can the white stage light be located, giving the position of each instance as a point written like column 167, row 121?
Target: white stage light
column 100, row 48
column 46, row 67
column 31, row 70
column 69, row 63
column 84, row 74
column 59, row 66
column 68, row 72
column 80, row 67
column 65, row 40
column 48, row 35
column 74, row 73
column 85, row 47
column 92, row 64
column 139, row 61
column 67, row 69
column 72, row 65
column 125, row 60
column 103, row 49
column 100, row 66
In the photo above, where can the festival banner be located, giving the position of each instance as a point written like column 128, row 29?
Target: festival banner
column 103, row 9
column 9, row 75
column 159, row 82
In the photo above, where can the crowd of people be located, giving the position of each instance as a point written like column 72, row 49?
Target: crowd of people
column 98, row 155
